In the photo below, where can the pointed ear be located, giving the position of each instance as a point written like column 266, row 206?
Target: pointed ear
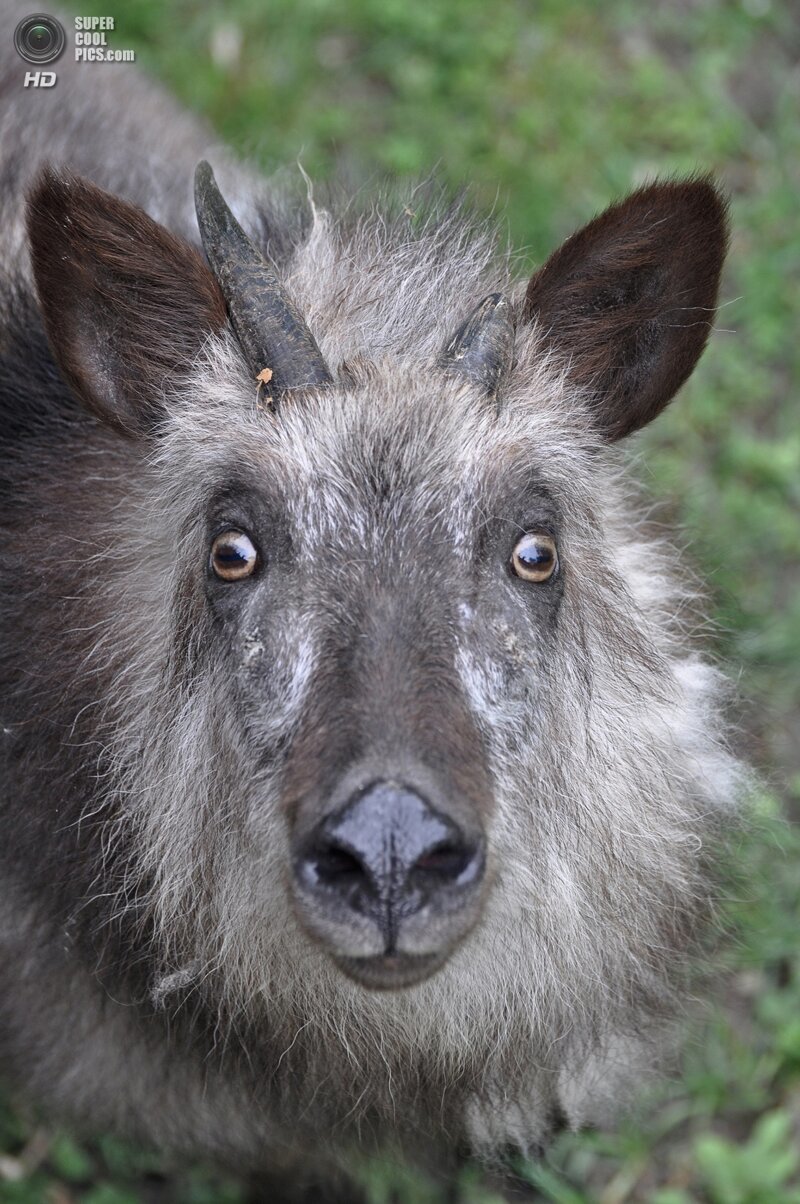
column 126, row 304
column 629, row 300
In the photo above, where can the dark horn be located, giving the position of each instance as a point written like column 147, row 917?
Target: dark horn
column 482, row 348
column 268, row 325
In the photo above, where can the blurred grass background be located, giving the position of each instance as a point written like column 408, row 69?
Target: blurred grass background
column 548, row 111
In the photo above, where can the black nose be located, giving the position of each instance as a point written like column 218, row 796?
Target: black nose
column 387, row 854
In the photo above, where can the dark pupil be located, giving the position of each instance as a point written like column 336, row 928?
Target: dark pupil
column 534, row 555
column 232, row 554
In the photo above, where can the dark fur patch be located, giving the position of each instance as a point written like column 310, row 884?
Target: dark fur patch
column 35, row 400
column 630, row 298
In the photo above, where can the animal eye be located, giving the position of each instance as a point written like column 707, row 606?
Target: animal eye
column 535, row 557
column 233, row 556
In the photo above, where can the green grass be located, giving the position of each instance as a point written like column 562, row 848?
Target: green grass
column 547, row 112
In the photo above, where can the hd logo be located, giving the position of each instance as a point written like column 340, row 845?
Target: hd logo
column 39, row 40
column 39, row 79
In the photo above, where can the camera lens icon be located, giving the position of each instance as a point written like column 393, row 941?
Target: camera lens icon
column 39, row 39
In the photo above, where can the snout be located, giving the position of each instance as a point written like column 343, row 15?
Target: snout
column 389, row 884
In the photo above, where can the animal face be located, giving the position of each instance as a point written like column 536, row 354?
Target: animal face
column 410, row 709
column 384, row 576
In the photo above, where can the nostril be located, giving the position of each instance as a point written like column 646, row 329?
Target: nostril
column 448, row 860
column 337, row 866
column 451, row 862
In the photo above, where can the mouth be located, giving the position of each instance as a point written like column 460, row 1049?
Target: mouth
column 391, row 971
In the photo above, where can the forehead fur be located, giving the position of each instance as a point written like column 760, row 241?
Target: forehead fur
column 386, row 430
column 383, row 299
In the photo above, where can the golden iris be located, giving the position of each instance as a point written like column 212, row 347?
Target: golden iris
column 233, row 556
column 535, row 557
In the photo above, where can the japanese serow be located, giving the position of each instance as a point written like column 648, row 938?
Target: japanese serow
column 358, row 770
